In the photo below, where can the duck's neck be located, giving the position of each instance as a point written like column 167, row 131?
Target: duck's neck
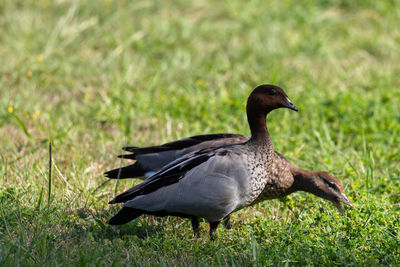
column 304, row 181
column 258, row 127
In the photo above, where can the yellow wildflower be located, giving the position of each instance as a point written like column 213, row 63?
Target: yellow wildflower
column 29, row 74
column 36, row 114
column 10, row 109
column 199, row 82
column 39, row 58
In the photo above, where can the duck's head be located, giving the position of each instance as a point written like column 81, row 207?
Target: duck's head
column 267, row 97
column 330, row 188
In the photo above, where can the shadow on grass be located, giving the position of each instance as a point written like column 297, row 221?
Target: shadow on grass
column 144, row 227
column 58, row 220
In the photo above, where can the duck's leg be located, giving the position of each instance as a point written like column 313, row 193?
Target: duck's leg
column 195, row 225
column 227, row 222
column 213, row 228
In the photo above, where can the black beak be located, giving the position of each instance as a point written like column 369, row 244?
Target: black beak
column 290, row 105
column 344, row 200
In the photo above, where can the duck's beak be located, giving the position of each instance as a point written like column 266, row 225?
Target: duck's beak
column 344, row 200
column 289, row 104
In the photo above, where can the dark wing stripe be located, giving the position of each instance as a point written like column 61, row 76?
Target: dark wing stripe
column 182, row 166
column 179, row 144
column 170, row 174
column 145, row 189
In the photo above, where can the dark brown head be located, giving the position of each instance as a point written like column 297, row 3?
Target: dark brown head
column 262, row 100
column 330, row 188
column 266, row 98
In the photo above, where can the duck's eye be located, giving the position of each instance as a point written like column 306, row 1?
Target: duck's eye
column 272, row 92
column 331, row 184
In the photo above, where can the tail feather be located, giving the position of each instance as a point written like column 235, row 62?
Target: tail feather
column 130, row 171
column 125, row 215
column 127, row 156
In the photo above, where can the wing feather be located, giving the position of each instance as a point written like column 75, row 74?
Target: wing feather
column 182, row 143
column 170, row 174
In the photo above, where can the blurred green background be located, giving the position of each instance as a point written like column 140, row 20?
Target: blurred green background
column 93, row 76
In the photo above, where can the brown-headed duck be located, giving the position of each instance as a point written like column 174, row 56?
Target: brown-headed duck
column 212, row 183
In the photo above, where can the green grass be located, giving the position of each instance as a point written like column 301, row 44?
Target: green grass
column 93, row 76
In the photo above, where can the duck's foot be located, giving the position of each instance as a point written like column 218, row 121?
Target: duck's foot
column 227, row 222
column 195, row 226
column 213, row 228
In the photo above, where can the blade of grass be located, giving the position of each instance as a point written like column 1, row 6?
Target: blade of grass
column 50, row 160
column 22, row 124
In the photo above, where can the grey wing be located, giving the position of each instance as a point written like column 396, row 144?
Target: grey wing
column 155, row 161
column 151, row 159
column 169, row 174
column 211, row 190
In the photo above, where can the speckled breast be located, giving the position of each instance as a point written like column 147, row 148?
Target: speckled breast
column 259, row 167
column 279, row 180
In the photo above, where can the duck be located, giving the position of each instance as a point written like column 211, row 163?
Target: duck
column 212, row 183
column 151, row 159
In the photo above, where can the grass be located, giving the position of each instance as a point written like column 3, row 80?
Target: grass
column 93, row 76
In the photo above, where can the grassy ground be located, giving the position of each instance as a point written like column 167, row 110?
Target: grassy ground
column 93, row 76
